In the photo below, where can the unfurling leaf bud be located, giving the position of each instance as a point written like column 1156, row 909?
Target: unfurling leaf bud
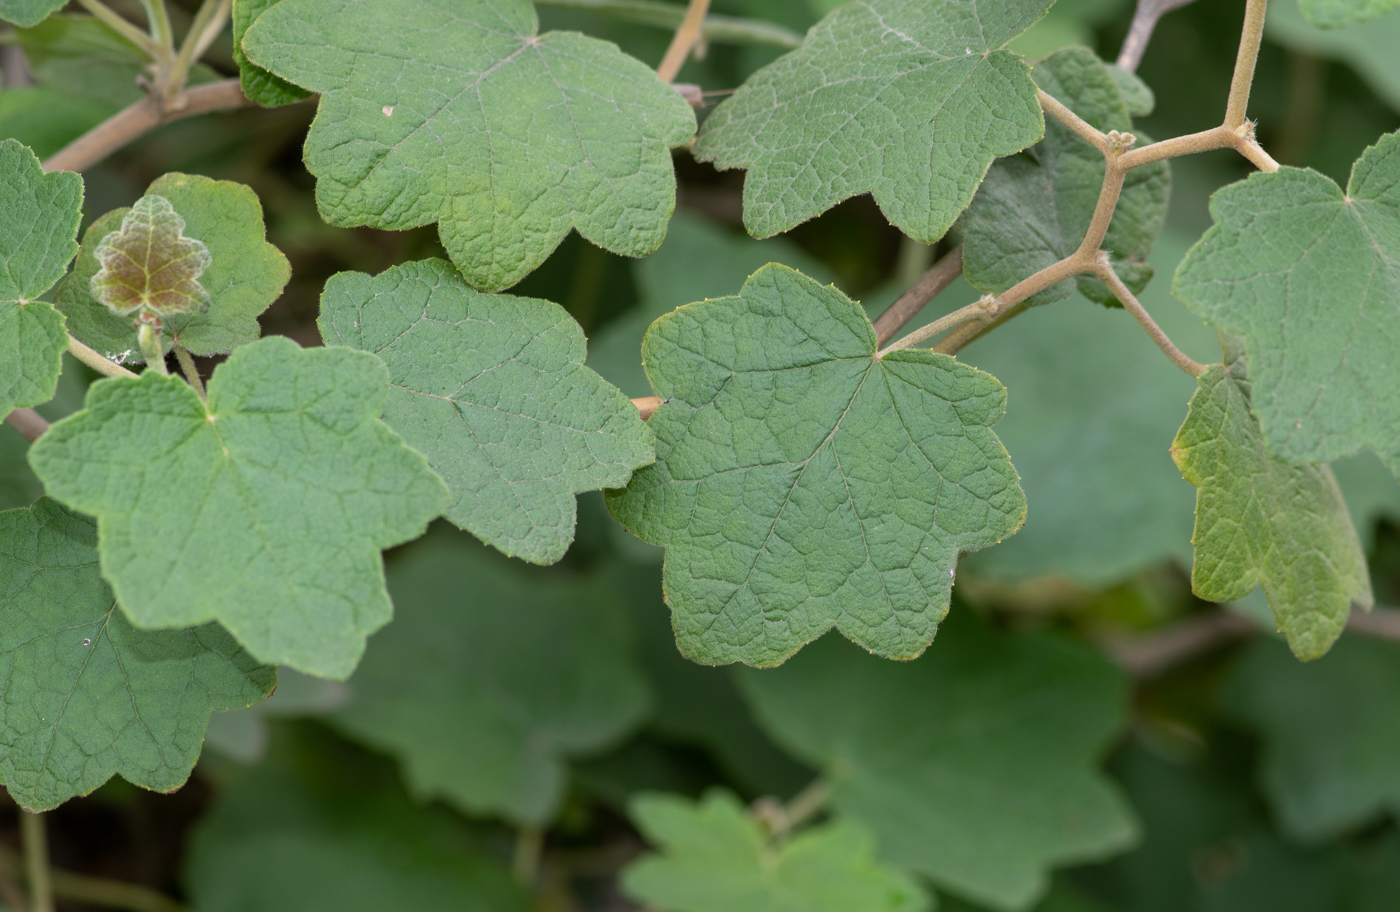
column 149, row 267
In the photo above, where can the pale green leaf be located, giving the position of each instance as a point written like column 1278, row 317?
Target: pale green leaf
column 1310, row 276
column 974, row 765
column 263, row 509
column 1369, row 48
column 1263, row 522
column 1034, row 209
column 86, row 695
column 490, row 679
column 908, row 99
column 1330, row 14
column 492, row 389
column 258, row 84
column 715, row 857
column 39, row 216
column 458, row 112
column 802, row 483
column 46, row 120
column 242, row 735
column 244, row 276
column 27, row 13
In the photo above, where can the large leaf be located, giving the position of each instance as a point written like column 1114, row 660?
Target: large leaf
column 1261, row 521
column 492, row 389
column 264, row 509
column 973, row 765
column 489, row 680
column 458, row 112
column 908, row 99
column 1310, row 275
column 802, row 483
column 1035, row 208
column 258, row 84
column 39, row 216
column 716, row 858
column 1330, row 14
column 244, row 276
column 86, row 695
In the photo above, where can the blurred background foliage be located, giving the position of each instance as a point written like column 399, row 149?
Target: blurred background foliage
column 486, row 754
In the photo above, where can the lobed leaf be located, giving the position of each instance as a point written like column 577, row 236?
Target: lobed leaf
column 1330, row 14
column 716, row 858
column 458, row 112
column 28, row 13
column 1263, row 521
column 263, row 509
column 804, row 483
column 908, row 99
column 86, row 695
column 258, row 84
column 492, row 389
column 148, row 266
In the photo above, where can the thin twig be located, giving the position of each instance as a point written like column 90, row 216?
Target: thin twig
column 160, row 22
column 1245, row 60
column 977, row 310
column 1176, row 147
column 1082, row 128
column 1247, row 146
column 95, row 361
column 148, row 45
column 1012, row 302
column 1154, row 332
column 690, row 32
column 647, row 406
column 1145, row 19
column 929, row 286
column 726, row 29
column 141, row 117
column 35, row 839
column 207, row 24
column 30, row 424
column 190, row 370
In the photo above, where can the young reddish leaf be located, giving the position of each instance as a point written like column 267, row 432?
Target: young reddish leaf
column 149, row 267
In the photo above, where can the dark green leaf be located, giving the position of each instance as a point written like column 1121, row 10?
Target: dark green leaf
column 258, row 84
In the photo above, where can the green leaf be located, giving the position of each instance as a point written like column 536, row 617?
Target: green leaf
column 492, row 389
column 1311, row 277
column 244, row 276
column 1331, row 750
column 716, row 858
column 462, row 114
column 27, row 13
column 88, row 696
column 263, row 509
column 1330, row 14
column 1137, row 95
column 1034, row 209
column 974, row 766
column 1368, row 48
column 489, row 680
column 908, row 99
column 258, row 84
column 1262, row 521
column 46, row 120
column 802, row 483
column 39, row 216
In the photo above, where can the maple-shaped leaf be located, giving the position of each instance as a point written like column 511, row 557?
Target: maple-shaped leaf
column 39, row 215
column 241, row 274
column 489, row 679
column 86, row 695
column 1310, row 276
column 1330, row 14
column 974, row 765
column 715, row 857
column 908, row 99
column 264, row 508
column 1034, row 209
column 803, row 483
column 258, row 84
column 29, row 13
column 492, row 389
column 459, row 112
column 1261, row 521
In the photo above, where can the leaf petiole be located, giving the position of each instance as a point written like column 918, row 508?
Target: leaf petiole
column 148, row 45
column 148, row 336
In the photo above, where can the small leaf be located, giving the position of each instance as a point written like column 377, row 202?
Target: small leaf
column 1035, row 208
column 908, row 99
column 492, row 389
column 1310, row 276
column 258, row 84
column 39, row 216
column 974, row 766
column 489, row 680
column 1330, row 14
column 802, row 483
column 264, row 509
column 464, row 115
column 149, row 266
column 716, row 858
column 1262, row 521
column 86, row 695
column 28, row 13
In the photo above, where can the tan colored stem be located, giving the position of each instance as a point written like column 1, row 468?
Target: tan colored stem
column 929, row 286
column 647, row 406
column 1154, row 332
column 691, row 31
column 977, row 310
column 1145, row 19
column 30, row 424
column 1250, row 149
column 1012, row 302
column 1082, row 128
column 95, row 361
column 1245, row 61
column 1191, row 144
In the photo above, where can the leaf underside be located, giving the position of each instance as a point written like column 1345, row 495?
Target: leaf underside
column 258, row 84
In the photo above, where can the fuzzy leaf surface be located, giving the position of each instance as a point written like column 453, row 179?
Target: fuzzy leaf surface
column 489, row 680
column 29, row 13
column 244, row 276
column 149, row 266
column 1310, row 276
column 715, row 857
column 258, row 84
column 1330, row 14
column 1261, row 521
column 908, row 99
column 1034, row 209
column 459, row 112
column 974, row 766
column 802, row 483
column 39, row 216
column 87, row 695
column 492, row 389
column 264, row 509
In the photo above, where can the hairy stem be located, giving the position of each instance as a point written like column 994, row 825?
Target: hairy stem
column 929, row 286
column 978, row 310
column 1176, row 147
column 207, row 24
column 190, row 370
column 1154, row 332
column 149, row 46
column 1248, row 56
column 95, row 361
column 728, row 29
column 30, row 424
column 36, row 861
column 689, row 33
column 1052, row 106
column 1145, row 19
